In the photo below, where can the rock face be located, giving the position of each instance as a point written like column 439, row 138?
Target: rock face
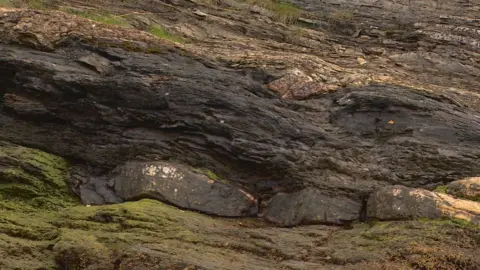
column 310, row 119
column 468, row 188
column 173, row 106
column 309, row 206
column 398, row 202
column 178, row 185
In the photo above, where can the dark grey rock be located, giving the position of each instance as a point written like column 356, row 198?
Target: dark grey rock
column 98, row 63
column 89, row 196
column 309, row 206
column 178, row 185
column 173, row 106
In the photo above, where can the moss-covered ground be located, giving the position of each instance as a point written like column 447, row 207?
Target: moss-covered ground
column 43, row 226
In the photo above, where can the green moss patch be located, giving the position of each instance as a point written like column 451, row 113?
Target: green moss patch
column 441, row 189
column 31, row 179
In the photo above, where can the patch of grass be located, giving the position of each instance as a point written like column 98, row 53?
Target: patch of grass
column 161, row 33
column 284, row 11
column 6, row 4
column 36, row 4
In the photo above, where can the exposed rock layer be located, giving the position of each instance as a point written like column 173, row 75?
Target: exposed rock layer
column 170, row 106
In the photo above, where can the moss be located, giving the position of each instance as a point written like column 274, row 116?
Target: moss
column 19, row 253
column 451, row 222
column 211, row 175
column 81, row 250
column 28, row 226
column 441, row 189
column 33, row 179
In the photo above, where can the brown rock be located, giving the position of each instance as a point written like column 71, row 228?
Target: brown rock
column 399, row 202
column 361, row 61
column 298, row 85
column 468, row 188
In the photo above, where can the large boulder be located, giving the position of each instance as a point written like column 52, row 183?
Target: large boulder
column 399, row 202
column 310, row 206
column 468, row 188
column 179, row 185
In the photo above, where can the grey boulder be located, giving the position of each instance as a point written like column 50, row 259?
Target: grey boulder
column 310, row 206
column 179, row 185
column 400, row 203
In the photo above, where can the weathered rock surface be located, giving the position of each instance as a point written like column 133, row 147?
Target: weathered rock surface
column 174, row 106
column 398, row 202
column 178, row 185
column 309, row 206
column 253, row 100
column 468, row 188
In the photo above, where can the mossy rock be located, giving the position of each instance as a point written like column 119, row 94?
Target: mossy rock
column 31, row 179
column 77, row 250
